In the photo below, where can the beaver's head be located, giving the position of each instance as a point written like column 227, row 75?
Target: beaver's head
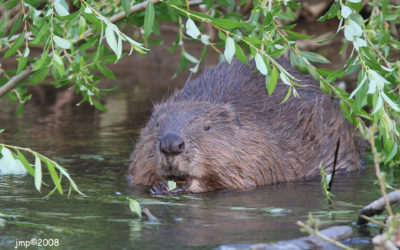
column 190, row 137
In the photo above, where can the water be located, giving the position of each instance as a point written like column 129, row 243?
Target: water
column 95, row 148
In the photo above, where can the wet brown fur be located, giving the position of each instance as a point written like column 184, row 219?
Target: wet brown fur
column 253, row 139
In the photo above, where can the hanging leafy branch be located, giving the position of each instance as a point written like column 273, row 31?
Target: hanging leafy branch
column 12, row 157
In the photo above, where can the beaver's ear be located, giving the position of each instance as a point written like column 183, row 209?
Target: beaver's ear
column 230, row 114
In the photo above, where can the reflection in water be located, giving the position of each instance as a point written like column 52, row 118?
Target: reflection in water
column 95, row 147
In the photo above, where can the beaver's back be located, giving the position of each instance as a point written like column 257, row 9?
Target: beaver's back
column 309, row 126
column 245, row 89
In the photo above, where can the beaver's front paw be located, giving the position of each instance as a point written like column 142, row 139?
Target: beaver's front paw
column 161, row 188
column 177, row 191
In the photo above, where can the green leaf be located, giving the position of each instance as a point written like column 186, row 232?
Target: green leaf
column 38, row 173
column 42, row 60
column 59, row 64
column 331, row 13
column 26, row 164
column 26, row 52
column 287, row 95
column 347, row 112
column 119, row 48
column 61, row 7
column 148, row 19
column 191, row 29
column 105, row 71
column 260, row 64
column 40, row 75
column 351, row 30
column 22, row 61
column 98, row 105
column 229, row 23
column 11, row 4
column 44, row 30
column 378, row 105
column 110, row 38
column 298, row 62
column 126, row 5
column 298, row 35
column 1, row 130
column 314, row 57
column 16, row 45
column 268, row 19
column 392, row 153
column 284, row 79
column 229, row 49
column 65, row 173
column 205, row 39
column 61, row 42
column 358, row 43
column 56, row 180
column 82, row 26
column 16, row 26
column 240, row 54
column 272, row 81
column 34, row 3
column 346, row 12
column 189, row 57
column 57, row 58
column 359, row 86
column 393, row 105
column 68, row 17
column 171, row 185
column 135, row 208
column 3, row 25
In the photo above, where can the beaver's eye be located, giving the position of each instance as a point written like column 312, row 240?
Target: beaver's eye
column 207, row 127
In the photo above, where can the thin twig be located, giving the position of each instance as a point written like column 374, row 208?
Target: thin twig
column 369, row 219
column 377, row 52
column 15, row 80
column 378, row 206
column 321, row 236
column 14, row 37
column 378, row 171
column 334, row 165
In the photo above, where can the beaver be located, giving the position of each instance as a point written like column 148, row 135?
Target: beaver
column 223, row 131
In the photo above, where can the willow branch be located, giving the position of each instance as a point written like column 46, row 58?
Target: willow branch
column 28, row 71
column 15, row 80
column 115, row 18
column 377, row 52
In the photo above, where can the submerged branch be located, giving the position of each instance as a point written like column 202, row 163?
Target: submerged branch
column 378, row 206
column 150, row 217
column 331, row 235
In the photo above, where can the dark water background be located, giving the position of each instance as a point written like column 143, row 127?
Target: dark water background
column 95, row 148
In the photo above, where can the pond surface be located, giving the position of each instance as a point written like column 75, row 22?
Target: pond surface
column 95, row 148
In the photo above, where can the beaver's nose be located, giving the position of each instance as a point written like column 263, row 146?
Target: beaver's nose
column 172, row 143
